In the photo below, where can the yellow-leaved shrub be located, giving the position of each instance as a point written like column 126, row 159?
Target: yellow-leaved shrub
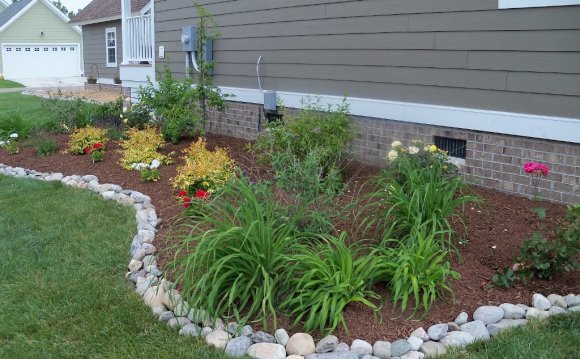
column 84, row 137
column 204, row 169
column 141, row 146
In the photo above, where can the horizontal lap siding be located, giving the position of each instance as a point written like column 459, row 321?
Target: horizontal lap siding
column 463, row 53
column 95, row 53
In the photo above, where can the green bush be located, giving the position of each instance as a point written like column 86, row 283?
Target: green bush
column 233, row 260
column 307, row 151
column 68, row 112
column 174, row 103
column 323, row 279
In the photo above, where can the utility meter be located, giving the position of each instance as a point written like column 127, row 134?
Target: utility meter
column 189, row 38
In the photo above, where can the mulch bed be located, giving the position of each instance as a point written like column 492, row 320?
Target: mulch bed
column 494, row 232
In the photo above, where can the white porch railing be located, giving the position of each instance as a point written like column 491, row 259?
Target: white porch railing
column 139, row 35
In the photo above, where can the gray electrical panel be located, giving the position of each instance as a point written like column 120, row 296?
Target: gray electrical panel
column 189, row 38
column 270, row 103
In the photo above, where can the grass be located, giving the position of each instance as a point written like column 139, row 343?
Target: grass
column 7, row 84
column 62, row 288
column 556, row 338
column 29, row 107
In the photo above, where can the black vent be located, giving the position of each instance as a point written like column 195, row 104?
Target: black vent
column 454, row 147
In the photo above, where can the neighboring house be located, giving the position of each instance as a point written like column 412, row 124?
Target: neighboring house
column 103, row 36
column 498, row 80
column 3, row 5
column 36, row 41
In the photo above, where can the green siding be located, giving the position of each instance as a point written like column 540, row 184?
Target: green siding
column 27, row 28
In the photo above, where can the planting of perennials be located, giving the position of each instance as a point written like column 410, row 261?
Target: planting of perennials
column 149, row 171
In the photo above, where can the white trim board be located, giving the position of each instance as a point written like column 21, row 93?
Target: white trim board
column 515, row 4
column 517, row 124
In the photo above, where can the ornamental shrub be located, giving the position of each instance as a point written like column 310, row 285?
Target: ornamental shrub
column 142, row 146
column 204, row 169
column 307, row 151
column 82, row 138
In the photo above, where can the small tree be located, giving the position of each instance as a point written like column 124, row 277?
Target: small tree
column 207, row 94
column 63, row 8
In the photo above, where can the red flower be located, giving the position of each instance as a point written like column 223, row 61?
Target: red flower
column 201, row 194
column 87, row 150
column 97, row 146
column 182, row 193
column 536, row 168
column 186, row 202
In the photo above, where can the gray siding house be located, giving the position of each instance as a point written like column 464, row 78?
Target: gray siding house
column 102, row 32
column 499, row 78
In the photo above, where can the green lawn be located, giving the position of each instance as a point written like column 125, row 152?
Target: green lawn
column 557, row 338
column 62, row 288
column 29, row 107
column 7, row 84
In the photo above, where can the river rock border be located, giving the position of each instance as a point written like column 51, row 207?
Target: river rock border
column 166, row 303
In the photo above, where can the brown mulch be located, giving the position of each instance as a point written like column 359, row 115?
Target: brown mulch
column 103, row 95
column 494, row 232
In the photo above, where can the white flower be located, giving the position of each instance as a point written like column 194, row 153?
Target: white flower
column 413, row 150
column 128, row 99
column 14, row 135
column 154, row 164
column 396, row 144
column 392, row 155
column 124, row 109
column 2, row 143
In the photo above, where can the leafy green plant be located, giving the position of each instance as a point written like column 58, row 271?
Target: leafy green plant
column 419, row 268
column 324, row 278
column 137, row 115
column 234, row 256
column 543, row 258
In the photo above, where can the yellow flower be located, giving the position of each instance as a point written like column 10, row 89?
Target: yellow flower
column 432, row 148
column 392, row 155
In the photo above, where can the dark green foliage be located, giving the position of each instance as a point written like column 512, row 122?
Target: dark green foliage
column 68, row 112
column 322, row 279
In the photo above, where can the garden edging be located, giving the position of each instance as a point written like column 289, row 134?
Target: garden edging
column 165, row 301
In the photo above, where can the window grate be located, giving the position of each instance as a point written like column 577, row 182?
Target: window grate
column 454, row 147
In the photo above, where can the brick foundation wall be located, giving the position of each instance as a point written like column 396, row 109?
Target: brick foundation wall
column 492, row 160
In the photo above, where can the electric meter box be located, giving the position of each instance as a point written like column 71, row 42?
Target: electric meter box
column 189, row 38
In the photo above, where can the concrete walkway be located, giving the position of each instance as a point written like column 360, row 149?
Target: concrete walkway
column 55, row 82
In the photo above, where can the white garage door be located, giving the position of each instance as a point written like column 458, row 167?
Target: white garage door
column 38, row 61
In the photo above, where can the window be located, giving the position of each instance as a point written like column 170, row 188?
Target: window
column 18, row 49
column 45, row 49
column 72, row 48
column 63, row 49
column 55, row 49
column 8, row 49
column 511, row 4
column 111, row 46
column 27, row 49
column 37, row 49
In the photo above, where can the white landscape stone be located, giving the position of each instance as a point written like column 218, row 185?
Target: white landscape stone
column 421, row 334
column 218, row 338
column 540, row 302
column 361, row 347
column 267, row 351
column 488, row 314
column 301, row 344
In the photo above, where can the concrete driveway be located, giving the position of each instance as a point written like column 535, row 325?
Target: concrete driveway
column 52, row 82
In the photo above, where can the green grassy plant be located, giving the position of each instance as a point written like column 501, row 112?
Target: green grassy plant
column 14, row 123
column 233, row 259
column 44, row 146
column 419, row 268
column 62, row 290
column 324, row 278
